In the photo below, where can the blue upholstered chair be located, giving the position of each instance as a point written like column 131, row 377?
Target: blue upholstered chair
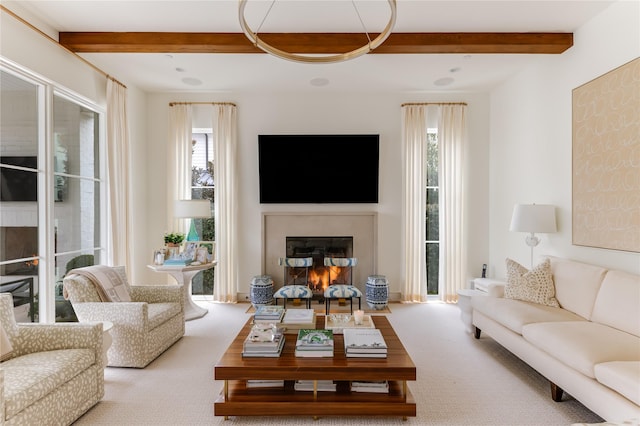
column 340, row 286
column 296, row 280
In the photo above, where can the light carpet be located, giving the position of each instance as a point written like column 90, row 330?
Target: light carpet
column 461, row 380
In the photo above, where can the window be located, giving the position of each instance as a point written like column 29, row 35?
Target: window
column 203, row 188
column 432, row 238
column 50, row 192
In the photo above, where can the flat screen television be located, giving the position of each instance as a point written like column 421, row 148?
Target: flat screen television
column 18, row 185
column 318, row 168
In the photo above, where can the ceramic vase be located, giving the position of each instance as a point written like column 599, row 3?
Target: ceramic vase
column 377, row 291
column 261, row 290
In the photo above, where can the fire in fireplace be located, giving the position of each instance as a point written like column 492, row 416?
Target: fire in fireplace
column 318, row 248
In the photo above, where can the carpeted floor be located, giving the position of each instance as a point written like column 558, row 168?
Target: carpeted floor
column 461, row 380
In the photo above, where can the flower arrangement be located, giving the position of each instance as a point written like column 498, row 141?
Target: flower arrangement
column 173, row 238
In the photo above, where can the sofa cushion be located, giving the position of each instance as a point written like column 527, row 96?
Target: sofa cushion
column 576, row 284
column 514, row 314
column 618, row 302
column 535, row 285
column 582, row 344
column 6, row 348
column 28, row 378
column 159, row 313
column 621, row 376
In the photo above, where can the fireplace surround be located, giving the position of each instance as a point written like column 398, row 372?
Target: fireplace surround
column 361, row 226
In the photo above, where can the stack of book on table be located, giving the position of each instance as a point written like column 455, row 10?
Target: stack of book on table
column 372, row 387
column 269, row 313
column 265, row 383
column 364, row 343
column 264, row 340
column 298, row 319
column 322, row 385
column 314, row 343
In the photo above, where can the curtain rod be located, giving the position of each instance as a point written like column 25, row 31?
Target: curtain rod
column 48, row 37
column 432, row 103
column 201, row 103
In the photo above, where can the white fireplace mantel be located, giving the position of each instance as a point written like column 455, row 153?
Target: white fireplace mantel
column 362, row 226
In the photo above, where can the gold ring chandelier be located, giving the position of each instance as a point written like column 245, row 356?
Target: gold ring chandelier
column 306, row 58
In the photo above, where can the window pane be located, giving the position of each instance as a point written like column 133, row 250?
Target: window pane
column 19, row 229
column 433, row 267
column 433, row 215
column 75, row 130
column 77, row 218
column 203, row 188
column 432, row 160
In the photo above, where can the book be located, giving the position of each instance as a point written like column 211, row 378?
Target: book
column 363, row 343
column 265, row 352
column 372, row 387
column 263, row 339
column 298, row 316
column 322, row 385
column 265, row 383
column 314, row 343
column 269, row 313
column 298, row 321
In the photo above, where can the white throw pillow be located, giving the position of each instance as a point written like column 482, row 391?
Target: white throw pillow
column 530, row 286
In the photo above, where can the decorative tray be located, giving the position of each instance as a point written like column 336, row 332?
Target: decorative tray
column 331, row 323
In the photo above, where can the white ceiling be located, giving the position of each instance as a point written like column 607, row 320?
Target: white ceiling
column 155, row 72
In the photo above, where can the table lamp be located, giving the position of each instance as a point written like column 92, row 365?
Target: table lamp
column 192, row 209
column 533, row 218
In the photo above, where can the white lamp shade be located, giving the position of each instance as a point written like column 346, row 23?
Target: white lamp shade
column 536, row 218
column 192, row 208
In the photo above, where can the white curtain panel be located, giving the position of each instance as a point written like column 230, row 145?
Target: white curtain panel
column 118, row 175
column 414, row 144
column 225, row 178
column 452, row 140
column 179, row 163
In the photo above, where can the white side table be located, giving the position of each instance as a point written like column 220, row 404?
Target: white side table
column 466, row 310
column 183, row 276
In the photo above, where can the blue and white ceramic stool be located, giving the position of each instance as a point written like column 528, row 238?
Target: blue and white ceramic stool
column 293, row 268
column 339, row 290
column 377, row 291
column 261, row 290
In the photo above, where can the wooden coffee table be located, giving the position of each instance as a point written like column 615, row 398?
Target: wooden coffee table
column 238, row 400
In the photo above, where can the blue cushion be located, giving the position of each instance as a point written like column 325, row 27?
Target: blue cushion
column 337, row 291
column 293, row 292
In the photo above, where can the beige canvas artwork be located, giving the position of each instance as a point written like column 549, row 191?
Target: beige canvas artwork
column 606, row 160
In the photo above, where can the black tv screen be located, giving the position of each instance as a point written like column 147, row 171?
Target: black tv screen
column 318, row 168
column 19, row 185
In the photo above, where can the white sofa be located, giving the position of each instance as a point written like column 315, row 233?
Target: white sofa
column 588, row 347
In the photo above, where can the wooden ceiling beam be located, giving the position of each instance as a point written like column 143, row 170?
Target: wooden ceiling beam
column 316, row 43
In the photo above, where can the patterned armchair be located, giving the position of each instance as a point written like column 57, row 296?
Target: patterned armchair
column 51, row 374
column 146, row 323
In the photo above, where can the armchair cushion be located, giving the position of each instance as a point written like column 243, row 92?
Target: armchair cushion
column 29, row 378
column 5, row 345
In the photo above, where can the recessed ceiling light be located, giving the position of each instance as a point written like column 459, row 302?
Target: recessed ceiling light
column 444, row 81
column 319, row 82
column 192, row 81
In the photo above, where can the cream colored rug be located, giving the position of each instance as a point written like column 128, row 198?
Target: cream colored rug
column 461, row 380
